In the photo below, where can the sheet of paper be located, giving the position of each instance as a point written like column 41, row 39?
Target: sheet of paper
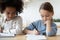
column 58, row 31
column 5, row 34
column 35, row 37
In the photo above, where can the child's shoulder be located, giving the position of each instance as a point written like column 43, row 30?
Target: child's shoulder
column 37, row 22
column 18, row 18
column 54, row 24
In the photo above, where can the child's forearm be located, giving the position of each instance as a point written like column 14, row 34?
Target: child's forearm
column 1, row 29
column 48, row 28
column 27, row 31
column 50, row 31
column 35, row 32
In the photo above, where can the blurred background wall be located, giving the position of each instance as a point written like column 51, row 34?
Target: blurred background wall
column 31, row 10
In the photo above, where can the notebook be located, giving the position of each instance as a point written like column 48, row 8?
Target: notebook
column 58, row 31
column 6, row 35
column 35, row 37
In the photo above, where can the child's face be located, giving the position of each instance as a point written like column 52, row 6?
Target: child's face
column 46, row 15
column 10, row 13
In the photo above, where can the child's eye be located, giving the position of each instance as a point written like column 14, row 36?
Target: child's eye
column 47, row 16
column 8, row 13
column 42, row 16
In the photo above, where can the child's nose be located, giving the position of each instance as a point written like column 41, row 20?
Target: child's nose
column 10, row 15
column 45, row 18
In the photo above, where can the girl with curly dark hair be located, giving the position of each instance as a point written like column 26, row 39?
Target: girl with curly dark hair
column 11, row 23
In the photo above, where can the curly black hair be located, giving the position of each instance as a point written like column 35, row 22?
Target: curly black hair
column 18, row 4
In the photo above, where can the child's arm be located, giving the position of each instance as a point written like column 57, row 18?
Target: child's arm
column 51, row 28
column 0, row 29
column 35, row 32
column 31, row 29
column 17, row 30
column 18, row 27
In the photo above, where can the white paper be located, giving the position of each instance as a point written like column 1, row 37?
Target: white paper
column 5, row 34
column 35, row 37
column 58, row 31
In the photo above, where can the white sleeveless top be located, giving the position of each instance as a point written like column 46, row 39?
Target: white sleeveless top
column 13, row 26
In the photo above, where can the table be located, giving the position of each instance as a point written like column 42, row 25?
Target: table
column 23, row 37
column 54, row 37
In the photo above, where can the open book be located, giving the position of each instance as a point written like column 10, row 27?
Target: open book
column 6, row 35
column 35, row 37
column 58, row 31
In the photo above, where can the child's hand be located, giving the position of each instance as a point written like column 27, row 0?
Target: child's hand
column 48, row 23
column 1, row 30
column 34, row 32
column 48, row 26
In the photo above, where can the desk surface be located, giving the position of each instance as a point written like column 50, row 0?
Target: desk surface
column 23, row 37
